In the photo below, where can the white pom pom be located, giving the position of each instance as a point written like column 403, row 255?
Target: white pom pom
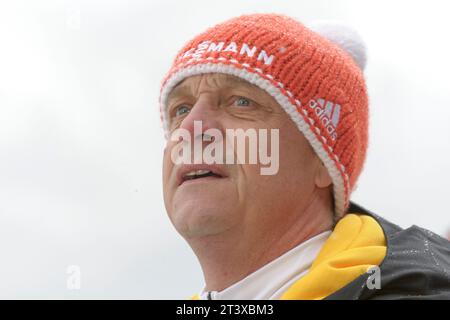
column 345, row 37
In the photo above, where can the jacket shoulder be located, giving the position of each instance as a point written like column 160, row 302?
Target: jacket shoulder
column 416, row 265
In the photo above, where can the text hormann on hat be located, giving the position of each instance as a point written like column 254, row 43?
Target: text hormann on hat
column 243, row 49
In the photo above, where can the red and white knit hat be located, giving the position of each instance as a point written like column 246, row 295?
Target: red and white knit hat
column 315, row 76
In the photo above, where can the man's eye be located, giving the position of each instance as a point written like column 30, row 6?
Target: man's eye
column 181, row 110
column 242, row 102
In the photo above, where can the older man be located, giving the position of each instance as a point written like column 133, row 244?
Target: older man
column 291, row 234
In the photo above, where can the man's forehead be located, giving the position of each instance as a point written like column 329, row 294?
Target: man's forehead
column 224, row 80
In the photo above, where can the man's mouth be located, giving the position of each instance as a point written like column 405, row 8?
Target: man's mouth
column 197, row 174
column 188, row 174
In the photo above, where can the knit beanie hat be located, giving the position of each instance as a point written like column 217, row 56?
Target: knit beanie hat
column 315, row 74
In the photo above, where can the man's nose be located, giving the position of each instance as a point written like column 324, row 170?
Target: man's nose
column 205, row 110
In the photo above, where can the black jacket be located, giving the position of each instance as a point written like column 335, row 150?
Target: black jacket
column 416, row 266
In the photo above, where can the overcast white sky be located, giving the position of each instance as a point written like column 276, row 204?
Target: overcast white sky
column 81, row 142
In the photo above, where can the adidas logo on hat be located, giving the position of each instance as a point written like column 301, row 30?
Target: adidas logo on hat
column 328, row 113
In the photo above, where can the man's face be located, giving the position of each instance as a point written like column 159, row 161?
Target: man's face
column 238, row 197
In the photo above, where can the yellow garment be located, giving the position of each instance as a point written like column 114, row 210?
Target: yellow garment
column 356, row 244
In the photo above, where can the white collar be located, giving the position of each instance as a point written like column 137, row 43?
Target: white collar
column 274, row 278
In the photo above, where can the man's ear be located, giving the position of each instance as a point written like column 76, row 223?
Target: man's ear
column 322, row 178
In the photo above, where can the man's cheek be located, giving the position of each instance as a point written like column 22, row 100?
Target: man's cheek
column 167, row 165
column 167, row 190
column 168, row 148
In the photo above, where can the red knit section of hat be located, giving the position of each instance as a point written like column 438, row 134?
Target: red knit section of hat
column 321, row 80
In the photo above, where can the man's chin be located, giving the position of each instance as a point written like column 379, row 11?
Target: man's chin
column 197, row 220
column 206, row 197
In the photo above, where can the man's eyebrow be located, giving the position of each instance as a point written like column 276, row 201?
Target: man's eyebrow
column 180, row 89
column 229, row 82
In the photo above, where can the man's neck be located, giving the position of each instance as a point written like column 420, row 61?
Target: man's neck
column 230, row 256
